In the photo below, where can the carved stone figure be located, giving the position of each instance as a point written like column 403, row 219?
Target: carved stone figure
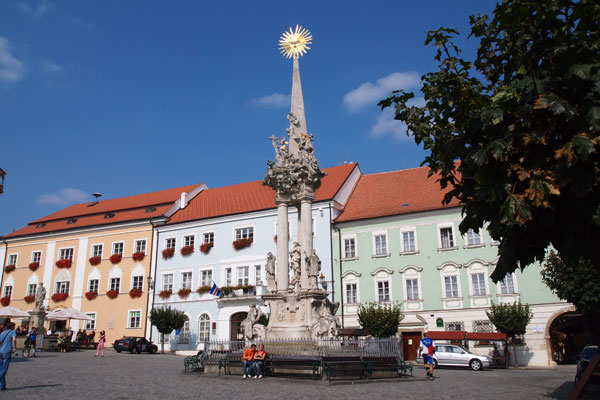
column 40, row 296
column 328, row 324
column 252, row 330
column 271, row 283
column 295, row 263
column 313, row 267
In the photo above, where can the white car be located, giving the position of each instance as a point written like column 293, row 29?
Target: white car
column 449, row 355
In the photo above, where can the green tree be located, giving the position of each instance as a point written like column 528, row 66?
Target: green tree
column 511, row 319
column 523, row 122
column 166, row 320
column 380, row 320
column 263, row 319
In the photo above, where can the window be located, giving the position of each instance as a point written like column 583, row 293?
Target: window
column 188, row 240
column 137, row 282
column 140, row 246
column 36, row 256
column 203, row 327
column 455, row 326
column 478, row 281
column 186, row 280
column 451, row 286
column 93, row 285
column 351, row 293
column 507, row 285
column 134, row 319
column 170, row 242
column 242, row 275
column 446, row 238
column 115, row 284
column 380, row 245
column 473, row 238
column 383, row 291
column 184, row 332
column 257, row 274
column 482, row 326
column 90, row 324
column 168, row 282
column 62, row 287
column 228, row 277
column 408, row 242
column 7, row 291
column 12, row 259
column 66, row 254
column 31, row 289
column 349, row 248
column 118, row 248
column 244, row 233
column 208, row 237
column 97, row 250
column 412, row 289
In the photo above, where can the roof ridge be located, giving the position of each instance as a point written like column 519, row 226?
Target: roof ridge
column 397, row 170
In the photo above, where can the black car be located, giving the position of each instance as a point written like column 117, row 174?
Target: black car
column 134, row 345
column 582, row 362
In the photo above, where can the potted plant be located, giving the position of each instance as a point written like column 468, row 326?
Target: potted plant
column 203, row 289
column 10, row 268
column 248, row 289
column 29, row 299
column 241, row 243
column 5, row 301
column 168, row 253
column 186, row 250
column 135, row 292
column 59, row 297
column 139, row 256
column 184, row 293
column 91, row 295
column 112, row 294
column 205, row 247
column 227, row 290
column 65, row 263
column 165, row 294
column 34, row 266
column 95, row 260
column 116, row 258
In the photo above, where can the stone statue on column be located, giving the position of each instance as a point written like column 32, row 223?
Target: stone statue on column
column 271, row 283
column 296, row 262
column 253, row 330
column 40, row 296
column 313, row 267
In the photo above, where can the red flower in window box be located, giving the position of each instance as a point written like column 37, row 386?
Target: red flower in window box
column 5, row 301
column 139, row 256
column 66, row 263
column 205, row 248
column 168, row 253
column 241, row 243
column 184, row 293
column 165, row 294
column 187, row 250
column 10, row 268
column 203, row 289
column 34, row 266
column 116, row 258
column 29, row 299
column 91, row 295
column 135, row 292
column 59, row 297
column 95, row 260
column 112, row 294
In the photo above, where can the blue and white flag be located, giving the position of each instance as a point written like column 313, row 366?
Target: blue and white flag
column 214, row 290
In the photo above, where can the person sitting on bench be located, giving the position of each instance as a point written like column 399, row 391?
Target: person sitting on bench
column 259, row 361
column 248, row 360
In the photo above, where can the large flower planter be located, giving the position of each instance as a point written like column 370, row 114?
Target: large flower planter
column 168, row 253
column 10, row 268
column 95, row 260
column 134, row 293
column 139, row 256
column 112, row 294
column 91, row 295
column 165, row 294
column 116, row 258
column 66, row 263
column 59, row 297
column 34, row 266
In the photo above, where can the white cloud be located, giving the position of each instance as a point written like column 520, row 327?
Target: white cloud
column 385, row 124
column 64, row 197
column 49, row 66
column 11, row 69
column 370, row 94
column 275, row 100
column 24, row 6
column 42, row 8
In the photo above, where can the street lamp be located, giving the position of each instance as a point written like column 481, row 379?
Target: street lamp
column 150, row 283
column 2, row 175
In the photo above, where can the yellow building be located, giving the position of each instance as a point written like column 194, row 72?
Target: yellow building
column 94, row 257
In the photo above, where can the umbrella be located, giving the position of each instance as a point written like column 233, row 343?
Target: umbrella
column 13, row 312
column 69, row 313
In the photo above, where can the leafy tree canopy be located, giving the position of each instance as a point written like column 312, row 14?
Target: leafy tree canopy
column 167, row 319
column 380, row 320
column 511, row 319
column 523, row 120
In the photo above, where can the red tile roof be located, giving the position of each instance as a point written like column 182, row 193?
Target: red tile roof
column 394, row 193
column 253, row 196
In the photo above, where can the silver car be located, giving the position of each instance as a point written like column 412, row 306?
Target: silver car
column 449, row 355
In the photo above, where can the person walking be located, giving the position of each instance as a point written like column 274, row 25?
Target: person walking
column 101, row 344
column 427, row 349
column 8, row 344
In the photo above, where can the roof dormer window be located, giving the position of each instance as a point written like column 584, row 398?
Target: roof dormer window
column 71, row 221
column 150, row 209
column 109, row 215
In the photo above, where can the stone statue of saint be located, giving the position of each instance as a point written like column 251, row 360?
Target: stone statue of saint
column 295, row 263
column 252, row 330
column 313, row 267
column 271, row 283
column 40, row 296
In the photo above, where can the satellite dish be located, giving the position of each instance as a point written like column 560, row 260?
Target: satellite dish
column 96, row 195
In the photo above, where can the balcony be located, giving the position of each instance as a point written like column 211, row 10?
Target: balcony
column 242, row 294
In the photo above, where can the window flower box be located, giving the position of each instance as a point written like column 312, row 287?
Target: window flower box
column 91, row 295
column 112, row 294
column 227, row 291
column 135, row 292
column 203, row 289
column 116, row 258
column 56, row 297
column 165, row 294
column 139, row 256
column 10, row 268
column 66, row 263
column 34, row 266
column 95, row 260
column 242, row 243
column 168, row 253
column 186, row 250
column 205, row 248
column 29, row 299
column 5, row 301
column 184, row 293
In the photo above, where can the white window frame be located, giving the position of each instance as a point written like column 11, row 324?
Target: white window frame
column 114, row 283
column 403, row 249
column 389, row 292
column 245, row 278
column 62, row 253
column 169, row 239
column 163, row 282
column 204, row 326
column 189, row 240
column 204, row 234
column 471, row 233
column 481, row 278
column 12, row 259
column 89, row 285
column 355, row 290
column 387, row 243
column 258, row 275
column 190, row 284
column 90, row 324
column 29, row 291
column 242, row 234
column 112, row 247
column 33, row 258
column 345, row 254
column 417, row 286
column 445, row 292
column 133, row 279
column 228, row 276
column 515, row 286
column 60, row 285
column 7, row 291
column 140, row 245
column 93, row 250
column 139, row 322
column 447, row 225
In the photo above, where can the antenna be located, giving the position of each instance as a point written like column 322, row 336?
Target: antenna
column 97, row 196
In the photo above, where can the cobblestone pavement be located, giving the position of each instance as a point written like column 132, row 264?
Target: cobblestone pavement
column 125, row 376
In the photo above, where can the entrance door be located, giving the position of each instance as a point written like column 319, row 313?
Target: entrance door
column 235, row 327
column 410, row 344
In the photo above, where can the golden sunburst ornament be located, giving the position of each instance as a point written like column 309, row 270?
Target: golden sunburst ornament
column 294, row 43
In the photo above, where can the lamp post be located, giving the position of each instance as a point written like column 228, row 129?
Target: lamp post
column 2, row 175
column 150, row 283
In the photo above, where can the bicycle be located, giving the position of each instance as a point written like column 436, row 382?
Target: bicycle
column 29, row 350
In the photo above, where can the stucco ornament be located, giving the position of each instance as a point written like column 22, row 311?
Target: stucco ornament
column 328, row 324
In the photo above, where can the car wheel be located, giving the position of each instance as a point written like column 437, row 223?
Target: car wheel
column 118, row 351
column 153, row 350
column 476, row 365
column 435, row 363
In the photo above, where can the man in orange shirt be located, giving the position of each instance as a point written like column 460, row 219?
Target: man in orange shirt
column 248, row 359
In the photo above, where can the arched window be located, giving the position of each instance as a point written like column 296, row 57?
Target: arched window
column 203, row 327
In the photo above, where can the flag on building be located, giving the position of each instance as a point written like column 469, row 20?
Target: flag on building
column 214, row 290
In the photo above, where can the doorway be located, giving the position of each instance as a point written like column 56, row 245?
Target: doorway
column 235, row 326
column 410, row 344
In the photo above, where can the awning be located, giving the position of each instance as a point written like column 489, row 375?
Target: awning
column 447, row 335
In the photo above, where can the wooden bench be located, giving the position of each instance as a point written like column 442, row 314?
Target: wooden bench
column 381, row 364
column 193, row 362
column 343, row 367
column 230, row 359
column 404, row 367
column 296, row 364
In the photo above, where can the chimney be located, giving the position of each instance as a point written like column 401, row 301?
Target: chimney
column 183, row 201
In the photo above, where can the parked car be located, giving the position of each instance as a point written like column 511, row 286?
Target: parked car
column 449, row 355
column 134, row 344
column 583, row 360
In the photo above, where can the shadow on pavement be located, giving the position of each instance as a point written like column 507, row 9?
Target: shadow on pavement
column 32, row 387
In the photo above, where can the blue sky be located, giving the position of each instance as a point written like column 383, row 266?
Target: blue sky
column 127, row 97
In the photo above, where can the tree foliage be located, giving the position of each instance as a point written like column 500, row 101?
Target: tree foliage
column 578, row 283
column 166, row 320
column 380, row 320
column 511, row 319
column 523, row 120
